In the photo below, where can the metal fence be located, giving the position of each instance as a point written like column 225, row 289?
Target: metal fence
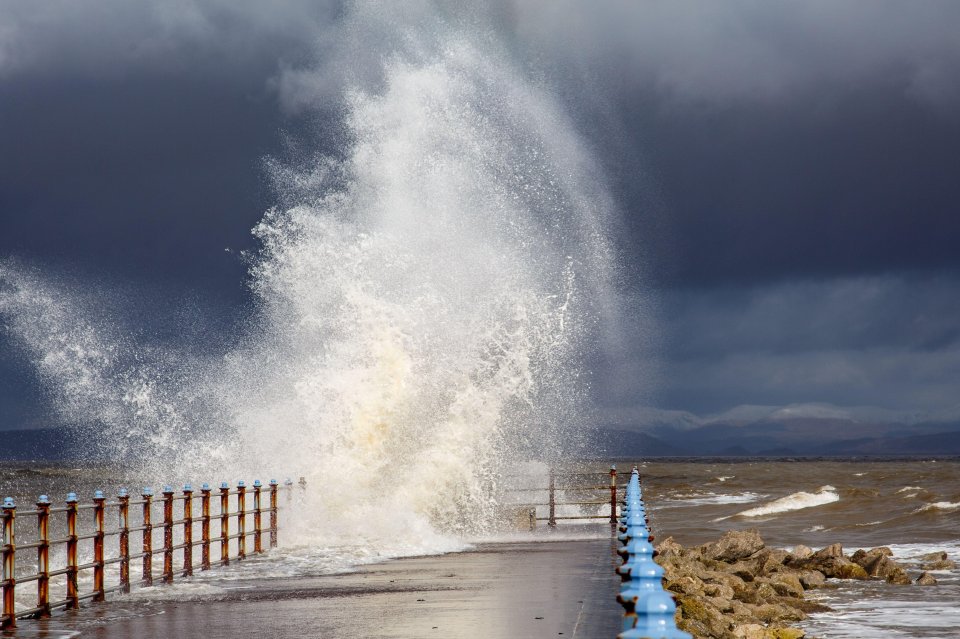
column 179, row 522
column 572, row 489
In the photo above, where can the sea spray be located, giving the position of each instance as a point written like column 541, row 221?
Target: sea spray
column 425, row 302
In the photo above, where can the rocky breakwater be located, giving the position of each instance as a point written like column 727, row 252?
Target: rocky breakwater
column 738, row 588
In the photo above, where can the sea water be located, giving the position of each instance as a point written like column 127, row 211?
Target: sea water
column 911, row 506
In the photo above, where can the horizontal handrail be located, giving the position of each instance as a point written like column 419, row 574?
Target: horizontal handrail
column 552, row 502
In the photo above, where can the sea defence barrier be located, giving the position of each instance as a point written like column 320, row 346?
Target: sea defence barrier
column 648, row 608
column 178, row 536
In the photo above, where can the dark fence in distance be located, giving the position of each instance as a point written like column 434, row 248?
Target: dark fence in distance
column 559, row 485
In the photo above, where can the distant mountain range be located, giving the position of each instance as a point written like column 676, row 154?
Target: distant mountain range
column 794, row 430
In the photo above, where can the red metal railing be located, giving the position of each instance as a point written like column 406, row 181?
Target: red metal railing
column 99, row 534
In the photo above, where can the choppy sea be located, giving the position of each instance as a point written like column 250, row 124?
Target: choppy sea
column 909, row 505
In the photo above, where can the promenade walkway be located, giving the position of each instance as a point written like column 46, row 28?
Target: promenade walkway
column 497, row 591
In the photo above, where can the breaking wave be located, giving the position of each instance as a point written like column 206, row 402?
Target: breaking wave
column 425, row 301
column 796, row 501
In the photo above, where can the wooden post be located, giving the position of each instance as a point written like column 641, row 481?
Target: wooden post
column 147, row 495
column 98, row 568
column 73, row 595
column 124, row 521
column 9, row 619
column 187, row 530
column 224, row 523
column 273, row 513
column 205, row 527
column 43, row 556
column 257, row 517
column 167, row 534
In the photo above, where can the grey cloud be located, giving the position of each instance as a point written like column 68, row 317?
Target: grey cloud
column 753, row 50
column 883, row 341
column 106, row 38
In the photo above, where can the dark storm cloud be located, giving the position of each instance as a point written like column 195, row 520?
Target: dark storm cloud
column 775, row 163
column 889, row 341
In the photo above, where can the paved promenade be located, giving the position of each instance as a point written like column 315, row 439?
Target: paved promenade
column 498, row 591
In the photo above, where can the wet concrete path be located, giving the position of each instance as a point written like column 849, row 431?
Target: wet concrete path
column 497, row 591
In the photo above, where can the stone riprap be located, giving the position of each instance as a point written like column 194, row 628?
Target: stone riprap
column 738, row 588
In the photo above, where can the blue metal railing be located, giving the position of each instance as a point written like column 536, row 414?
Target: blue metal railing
column 649, row 609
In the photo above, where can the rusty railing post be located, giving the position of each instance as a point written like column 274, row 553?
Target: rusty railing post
column 43, row 556
column 167, row 575
column 147, row 495
column 288, row 485
column 552, row 521
column 9, row 619
column 273, row 513
column 224, row 523
column 241, row 520
column 187, row 530
column 124, row 520
column 257, row 517
column 205, row 527
column 98, row 568
column 613, row 494
column 73, row 595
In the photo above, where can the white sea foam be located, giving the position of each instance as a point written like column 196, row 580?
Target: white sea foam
column 706, row 499
column 425, row 302
column 796, row 501
column 907, row 489
column 725, row 478
column 939, row 505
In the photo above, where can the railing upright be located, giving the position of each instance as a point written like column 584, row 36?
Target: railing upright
column 9, row 618
column 224, row 523
column 123, row 497
column 241, row 520
column 552, row 521
column 99, row 566
column 257, row 517
column 273, row 513
column 73, row 594
column 167, row 575
column 613, row 495
column 43, row 556
column 147, row 495
column 187, row 530
column 205, row 527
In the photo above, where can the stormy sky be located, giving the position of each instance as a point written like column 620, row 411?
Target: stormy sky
column 787, row 173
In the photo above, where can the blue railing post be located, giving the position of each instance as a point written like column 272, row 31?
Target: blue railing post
column 648, row 609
